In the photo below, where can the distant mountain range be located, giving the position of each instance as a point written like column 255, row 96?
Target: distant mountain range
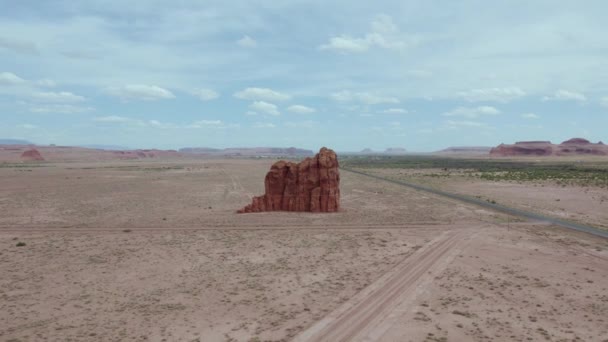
column 14, row 142
column 572, row 147
column 248, row 151
column 105, row 147
column 469, row 150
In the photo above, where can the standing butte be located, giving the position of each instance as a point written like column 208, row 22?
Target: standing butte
column 312, row 185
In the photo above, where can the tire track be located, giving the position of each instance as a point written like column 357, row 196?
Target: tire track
column 369, row 312
column 203, row 228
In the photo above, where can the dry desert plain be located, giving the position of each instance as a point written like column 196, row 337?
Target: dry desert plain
column 153, row 251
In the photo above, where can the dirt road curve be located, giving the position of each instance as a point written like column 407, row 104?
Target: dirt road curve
column 369, row 314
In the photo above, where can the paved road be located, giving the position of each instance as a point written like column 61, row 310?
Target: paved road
column 512, row 211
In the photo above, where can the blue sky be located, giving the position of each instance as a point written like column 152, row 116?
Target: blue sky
column 422, row 75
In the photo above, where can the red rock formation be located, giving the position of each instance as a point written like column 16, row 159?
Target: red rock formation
column 31, row 155
column 311, row 185
column 579, row 146
column 523, row 148
column 575, row 146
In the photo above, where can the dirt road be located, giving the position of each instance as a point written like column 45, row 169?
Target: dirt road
column 370, row 313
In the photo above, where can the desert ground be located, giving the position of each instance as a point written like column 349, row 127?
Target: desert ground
column 154, row 251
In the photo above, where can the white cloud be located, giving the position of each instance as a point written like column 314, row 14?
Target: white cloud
column 472, row 112
column 566, row 95
column 604, row 101
column 247, row 42
column 301, row 109
column 206, row 94
column 530, row 116
column 384, row 34
column 58, row 108
column 46, row 83
column 365, row 98
column 112, row 119
column 251, row 113
column 395, row 111
column 346, row 43
column 263, row 94
column 62, row 96
column 10, row 78
column 265, row 107
column 264, row 125
column 206, row 123
column 28, row 126
column 492, row 94
column 140, row 92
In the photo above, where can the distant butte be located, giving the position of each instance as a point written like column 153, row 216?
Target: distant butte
column 31, row 155
column 312, row 185
column 571, row 147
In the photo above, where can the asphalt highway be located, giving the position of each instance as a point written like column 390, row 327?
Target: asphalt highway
column 497, row 207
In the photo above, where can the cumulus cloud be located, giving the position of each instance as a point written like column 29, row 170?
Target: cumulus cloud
column 265, row 107
column 112, row 119
column 566, row 95
column 383, row 34
column 62, row 96
column 46, row 83
column 365, row 98
column 264, row 125
column 140, row 92
column 59, row 108
column 206, row 123
column 472, row 112
column 492, row 94
column 10, row 79
column 301, row 109
column 395, row 111
column 604, row 101
column 206, row 94
column 530, row 116
column 247, row 42
column 261, row 94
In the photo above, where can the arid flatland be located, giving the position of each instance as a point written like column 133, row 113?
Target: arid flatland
column 153, row 250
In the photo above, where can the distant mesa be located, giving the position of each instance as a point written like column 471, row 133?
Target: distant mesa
column 248, row 151
column 395, row 150
column 14, row 142
column 574, row 146
column 577, row 141
column 31, row 155
column 465, row 150
column 367, row 151
column 143, row 154
column 312, row 185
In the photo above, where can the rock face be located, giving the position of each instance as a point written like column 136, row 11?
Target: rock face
column 31, row 155
column 523, row 148
column 312, row 185
column 575, row 146
column 579, row 146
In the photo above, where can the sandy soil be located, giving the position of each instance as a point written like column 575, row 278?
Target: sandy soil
column 154, row 251
column 585, row 204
